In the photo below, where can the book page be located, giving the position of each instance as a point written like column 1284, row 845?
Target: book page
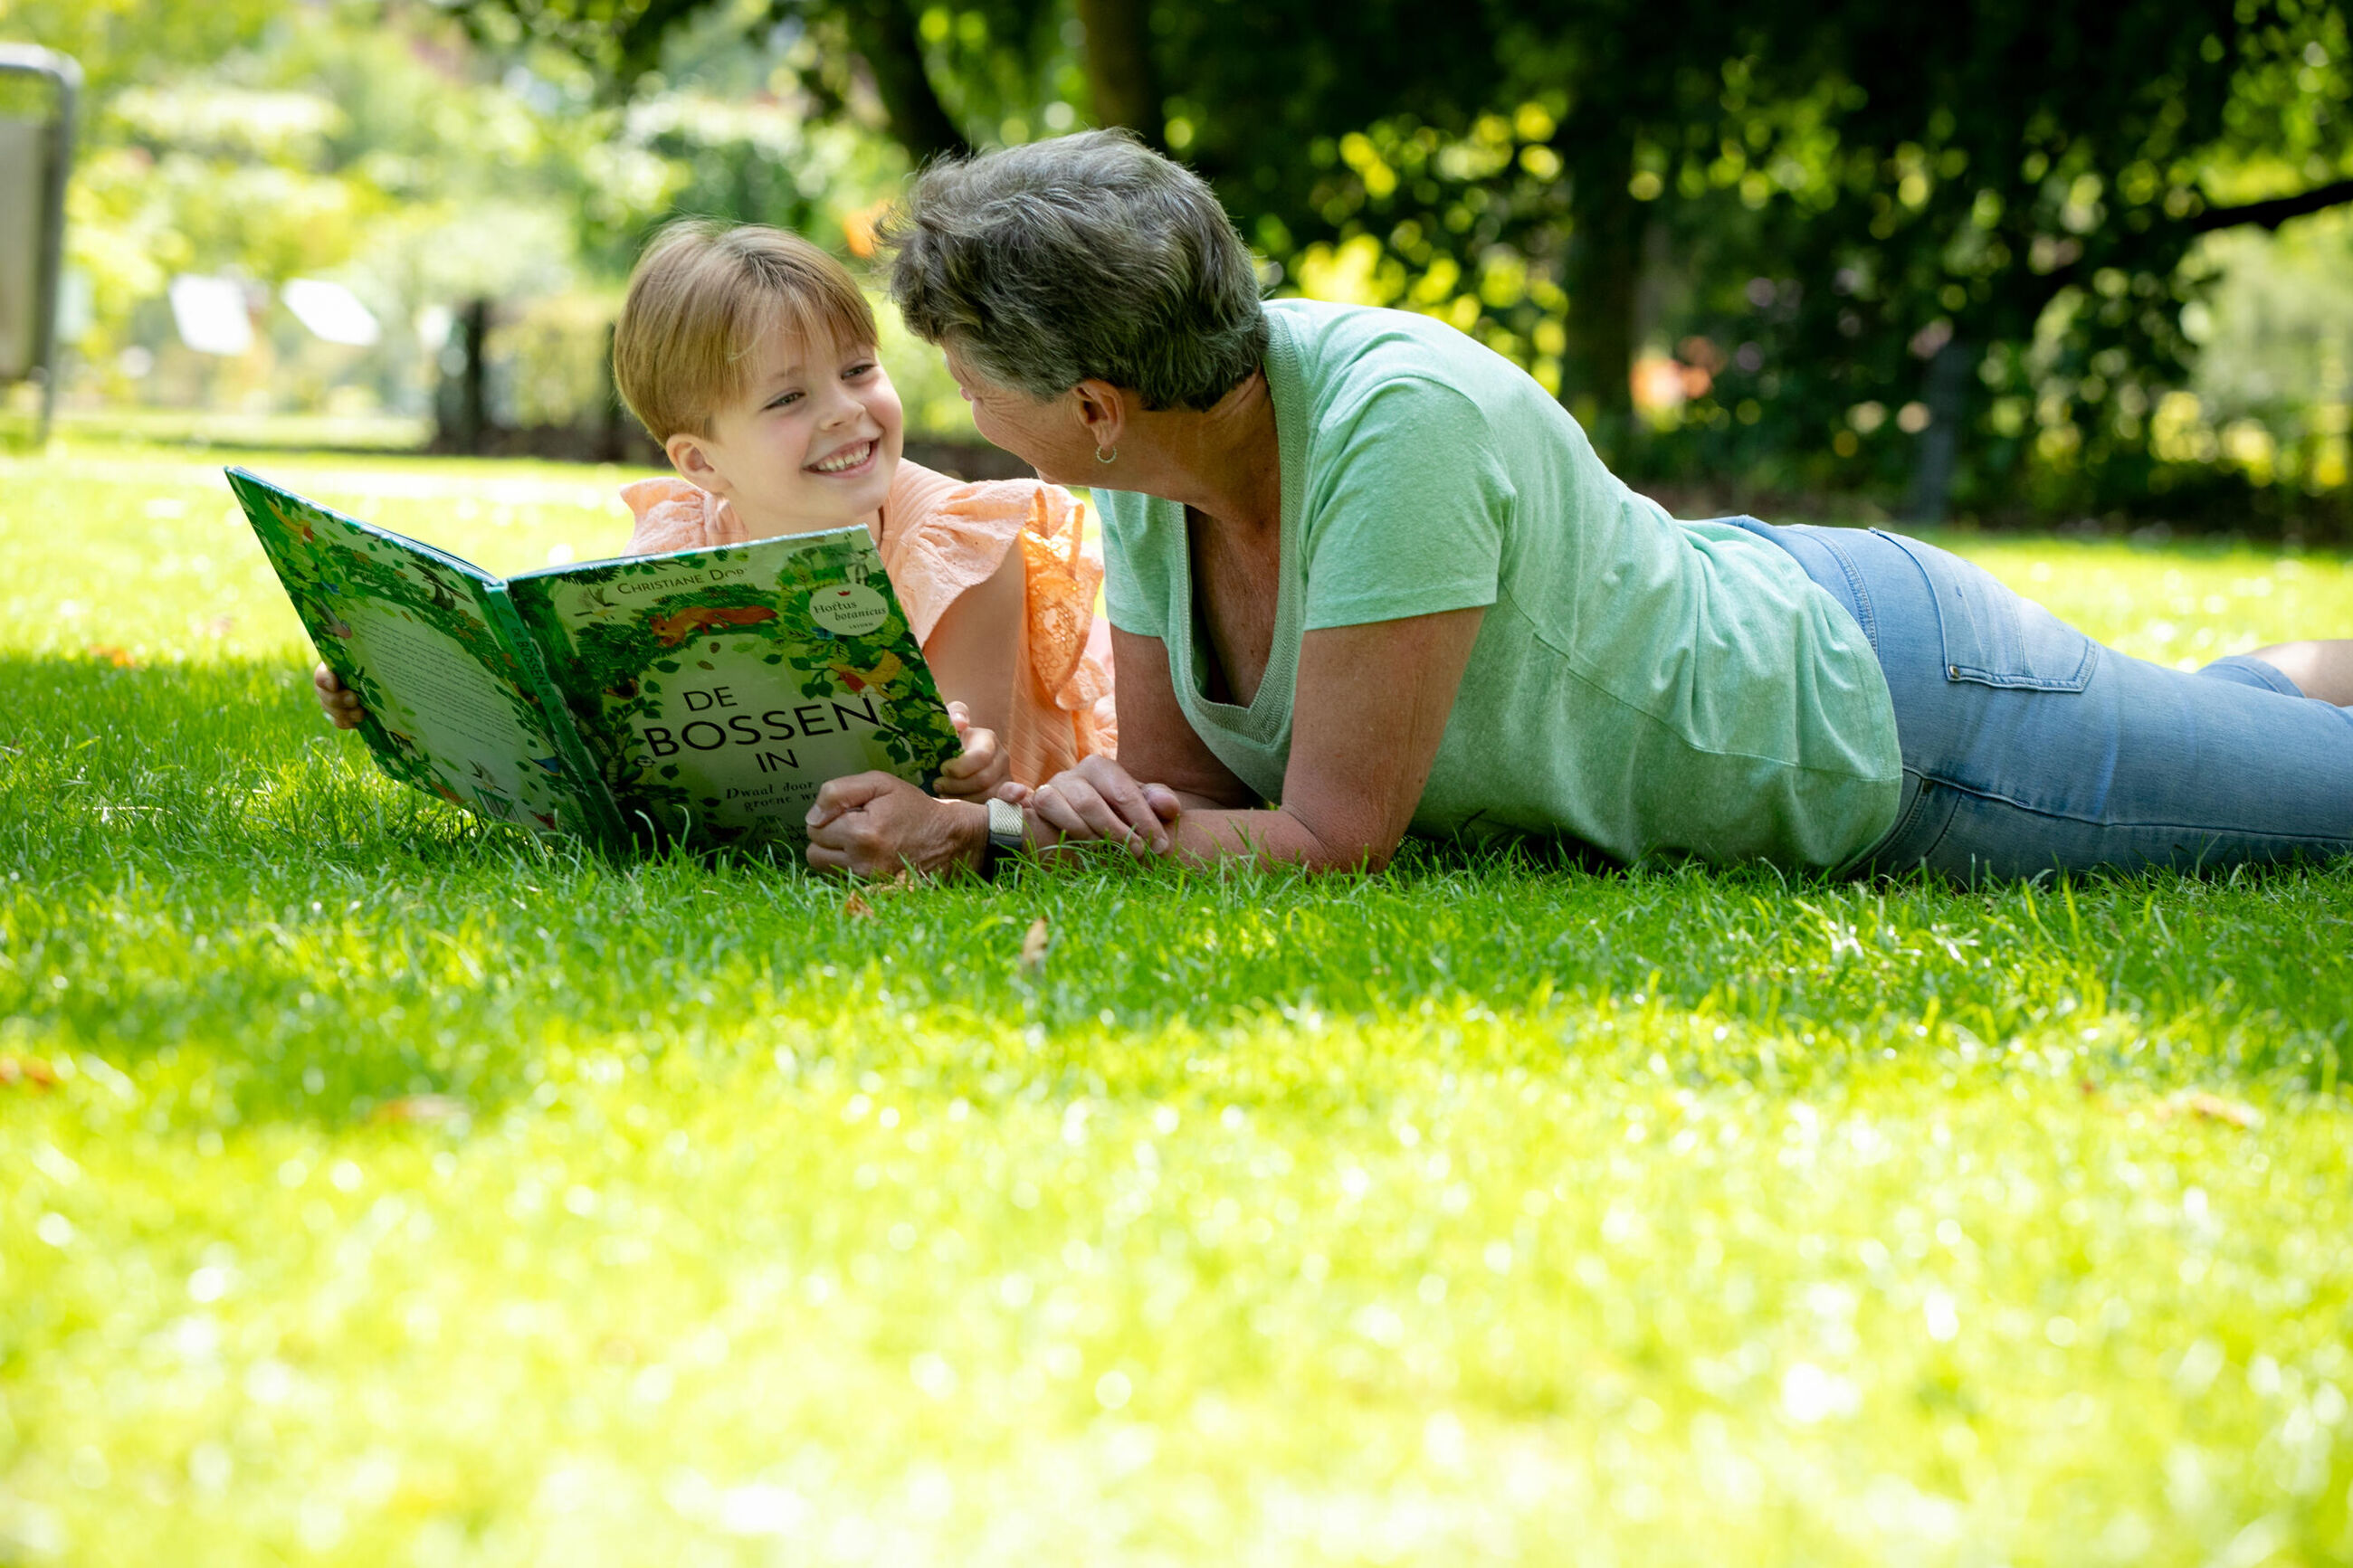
column 449, row 709
column 439, row 697
column 720, row 688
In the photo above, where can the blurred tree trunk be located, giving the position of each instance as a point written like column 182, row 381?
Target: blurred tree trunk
column 1605, row 265
column 1120, row 75
column 471, row 410
column 1947, row 396
column 884, row 33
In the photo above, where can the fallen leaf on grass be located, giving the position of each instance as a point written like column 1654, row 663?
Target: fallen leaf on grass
column 2208, row 1107
column 31, row 1071
column 121, row 658
column 421, row 1108
column 1033, row 946
column 855, row 906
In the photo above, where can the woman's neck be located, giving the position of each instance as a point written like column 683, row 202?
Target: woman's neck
column 1224, row 462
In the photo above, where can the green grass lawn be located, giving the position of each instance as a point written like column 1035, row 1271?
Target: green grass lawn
column 411, row 1194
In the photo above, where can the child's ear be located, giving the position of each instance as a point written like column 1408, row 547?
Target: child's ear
column 692, row 460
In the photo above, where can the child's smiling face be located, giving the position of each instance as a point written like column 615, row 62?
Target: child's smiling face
column 811, row 443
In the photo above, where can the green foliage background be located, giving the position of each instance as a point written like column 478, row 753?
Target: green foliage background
column 1783, row 212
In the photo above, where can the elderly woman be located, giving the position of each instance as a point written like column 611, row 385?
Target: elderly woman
column 1367, row 578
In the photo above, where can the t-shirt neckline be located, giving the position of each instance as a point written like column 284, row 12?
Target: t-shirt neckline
column 1268, row 712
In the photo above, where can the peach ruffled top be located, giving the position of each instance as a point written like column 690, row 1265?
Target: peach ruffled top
column 938, row 538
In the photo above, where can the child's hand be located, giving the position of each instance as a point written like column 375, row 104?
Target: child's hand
column 342, row 703
column 981, row 770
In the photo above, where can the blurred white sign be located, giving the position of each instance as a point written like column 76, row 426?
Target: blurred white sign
column 211, row 315
column 21, row 215
column 332, row 311
column 75, row 308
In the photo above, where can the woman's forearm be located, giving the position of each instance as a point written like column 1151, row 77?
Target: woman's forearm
column 1203, row 837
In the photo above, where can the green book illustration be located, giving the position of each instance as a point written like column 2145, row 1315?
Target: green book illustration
column 702, row 695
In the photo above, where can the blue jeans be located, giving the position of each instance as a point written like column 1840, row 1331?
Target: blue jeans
column 2029, row 748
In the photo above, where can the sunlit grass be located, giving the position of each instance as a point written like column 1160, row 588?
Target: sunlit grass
column 413, row 1194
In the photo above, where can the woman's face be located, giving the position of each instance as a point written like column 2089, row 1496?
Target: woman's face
column 1048, row 436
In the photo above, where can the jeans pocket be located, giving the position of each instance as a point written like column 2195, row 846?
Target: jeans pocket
column 1992, row 637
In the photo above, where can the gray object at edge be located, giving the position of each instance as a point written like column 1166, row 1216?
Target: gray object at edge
column 56, row 148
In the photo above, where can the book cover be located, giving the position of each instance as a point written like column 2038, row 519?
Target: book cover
column 702, row 695
column 718, row 687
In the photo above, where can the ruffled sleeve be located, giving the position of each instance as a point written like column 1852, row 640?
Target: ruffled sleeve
column 673, row 514
column 949, row 538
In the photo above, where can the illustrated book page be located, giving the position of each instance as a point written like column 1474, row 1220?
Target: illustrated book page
column 455, row 701
column 716, row 689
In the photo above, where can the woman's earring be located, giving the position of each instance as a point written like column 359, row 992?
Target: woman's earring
column 1106, row 457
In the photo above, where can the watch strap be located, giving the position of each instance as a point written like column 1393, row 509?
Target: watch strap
column 1007, row 836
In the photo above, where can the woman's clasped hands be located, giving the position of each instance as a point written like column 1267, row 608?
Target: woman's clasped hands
column 1100, row 801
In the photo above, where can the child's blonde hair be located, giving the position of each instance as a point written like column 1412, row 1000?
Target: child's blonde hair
column 703, row 295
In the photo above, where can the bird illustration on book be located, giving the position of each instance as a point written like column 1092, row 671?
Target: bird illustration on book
column 295, row 523
column 673, row 629
column 879, row 678
column 405, row 746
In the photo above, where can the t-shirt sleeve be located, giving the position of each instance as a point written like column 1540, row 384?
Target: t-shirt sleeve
column 1135, row 598
column 1408, row 515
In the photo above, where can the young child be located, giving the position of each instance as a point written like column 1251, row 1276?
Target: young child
column 749, row 353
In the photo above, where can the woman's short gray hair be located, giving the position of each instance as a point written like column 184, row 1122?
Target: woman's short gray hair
column 1084, row 257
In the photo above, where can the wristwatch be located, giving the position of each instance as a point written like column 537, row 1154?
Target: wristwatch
column 1006, row 837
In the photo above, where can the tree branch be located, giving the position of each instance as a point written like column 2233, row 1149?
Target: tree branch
column 1120, row 77
column 2271, row 214
column 884, row 31
column 639, row 44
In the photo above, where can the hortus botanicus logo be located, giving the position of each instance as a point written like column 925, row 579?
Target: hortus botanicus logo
column 849, row 609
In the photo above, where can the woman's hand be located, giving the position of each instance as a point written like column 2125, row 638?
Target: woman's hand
column 873, row 825
column 983, row 770
column 1098, row 800
column 342, row 703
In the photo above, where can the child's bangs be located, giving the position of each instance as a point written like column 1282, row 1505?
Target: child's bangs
column 808, row 309
column 703, row 299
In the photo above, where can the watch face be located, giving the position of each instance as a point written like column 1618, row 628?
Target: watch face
column 1004, row 825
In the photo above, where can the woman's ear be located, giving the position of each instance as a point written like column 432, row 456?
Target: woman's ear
column 1103, row 411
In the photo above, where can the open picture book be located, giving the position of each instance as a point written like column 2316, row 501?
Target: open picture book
column 702, row 695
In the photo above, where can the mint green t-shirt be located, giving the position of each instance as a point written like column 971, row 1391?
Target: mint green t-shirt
column 1638, row 683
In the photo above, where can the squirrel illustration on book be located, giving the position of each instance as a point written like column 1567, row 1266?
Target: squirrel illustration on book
column 672, row 630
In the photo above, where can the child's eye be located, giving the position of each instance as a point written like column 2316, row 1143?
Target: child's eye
column 785, row 400
column 863, row 367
